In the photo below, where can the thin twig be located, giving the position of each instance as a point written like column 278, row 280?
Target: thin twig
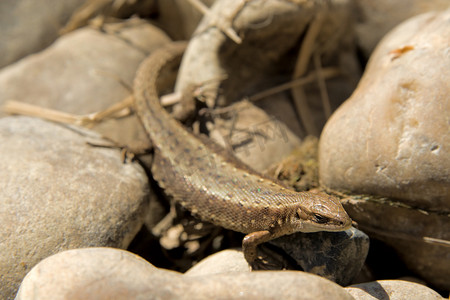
column 20, row 108
column 322, row 86
column 326, row 73
column 171, row 99
column 307, row 47
column 117, row 110
column 301, row 66
column 436, row 241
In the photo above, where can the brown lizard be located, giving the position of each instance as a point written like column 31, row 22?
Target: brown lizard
column 219, row 188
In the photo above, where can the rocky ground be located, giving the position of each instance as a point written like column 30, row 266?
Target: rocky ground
column 349, row 97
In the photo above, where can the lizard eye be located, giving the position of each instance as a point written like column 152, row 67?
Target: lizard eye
column 320, row 219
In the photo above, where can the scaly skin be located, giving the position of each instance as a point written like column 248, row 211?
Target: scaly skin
column 218, row 188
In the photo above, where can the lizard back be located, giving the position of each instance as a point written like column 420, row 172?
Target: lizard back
column 216, row 188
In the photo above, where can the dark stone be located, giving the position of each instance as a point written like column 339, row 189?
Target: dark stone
column 337, row 256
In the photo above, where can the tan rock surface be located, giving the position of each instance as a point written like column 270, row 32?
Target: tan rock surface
column 90, row 273
column 57, row 193
column 392, row 290
column 81, row 73
column 391, row 139
column 225, row 261
column 257, row 139
column 105, row 273
column 28, row 26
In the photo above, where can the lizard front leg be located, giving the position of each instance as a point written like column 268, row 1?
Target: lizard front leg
column 250, row 243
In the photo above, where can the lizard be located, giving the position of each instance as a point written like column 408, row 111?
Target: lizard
column 219, row 188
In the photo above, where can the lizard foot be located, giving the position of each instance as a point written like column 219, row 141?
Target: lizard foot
column 260, row 264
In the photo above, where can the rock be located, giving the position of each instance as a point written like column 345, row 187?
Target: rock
column 90, row 273
column 406, row 230
column 379, row 17
column 29, row 26
column 81, row 73
column 265, row 285
column 226, row 261
column 337, row 256
column 390, row 139
column 392, row 290
column 257, row 139
column 97, row 13
column 105, row 273
column 58, row 192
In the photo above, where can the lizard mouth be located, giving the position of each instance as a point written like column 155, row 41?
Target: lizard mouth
column 339, row 225
column 330, row 226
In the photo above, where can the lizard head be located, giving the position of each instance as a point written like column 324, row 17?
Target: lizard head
column 321, row 213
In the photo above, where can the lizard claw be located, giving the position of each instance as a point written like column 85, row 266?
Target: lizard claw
column 259, row 264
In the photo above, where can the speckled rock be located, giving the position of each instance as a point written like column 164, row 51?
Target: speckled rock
column 105, row 273
column 81, row 73
column 28, row 26
column 257, row 138
column 57, row 193
column 391, row 139
column 337, row 256
column 392, row 290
